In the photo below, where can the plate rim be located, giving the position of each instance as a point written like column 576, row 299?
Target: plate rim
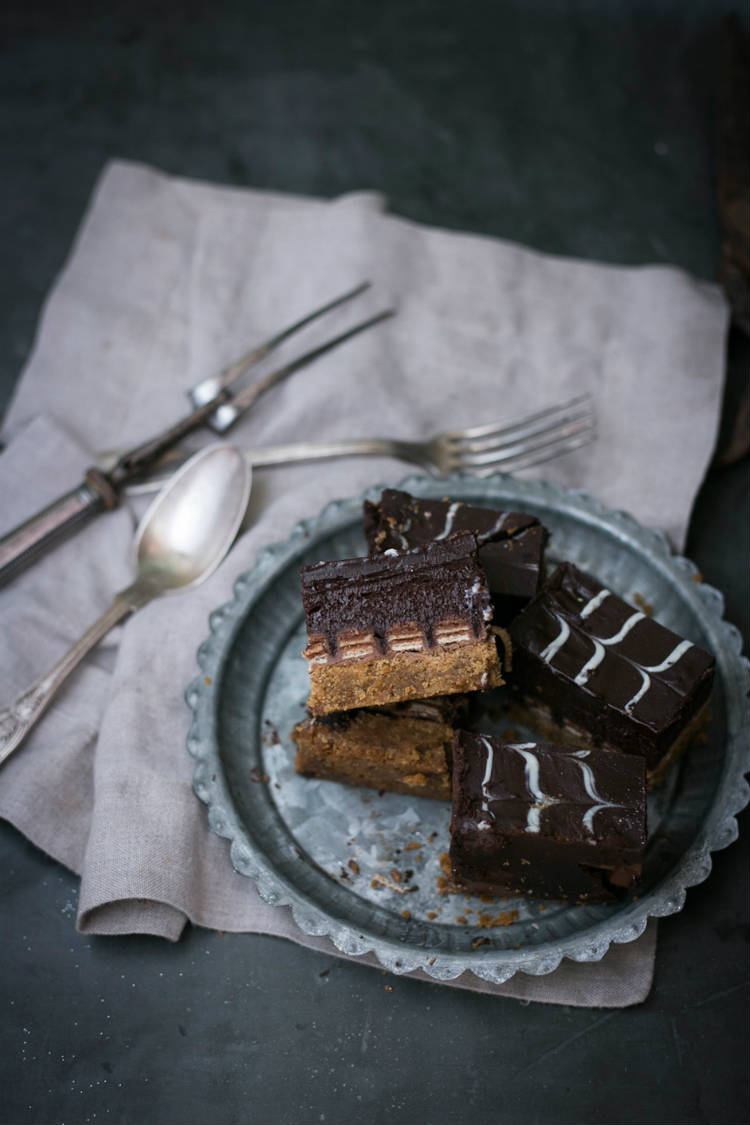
column 719, row 828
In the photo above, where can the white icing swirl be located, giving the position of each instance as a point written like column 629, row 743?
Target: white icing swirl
column 590, row 787
column 497, row 526
column 542, row 800
column 554, row 646
column 594, row 603
column 599, row 643
column 450, row 516
column 485, row 783
column 677, row 652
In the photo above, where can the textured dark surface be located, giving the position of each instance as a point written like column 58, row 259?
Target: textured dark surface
column 582, row 128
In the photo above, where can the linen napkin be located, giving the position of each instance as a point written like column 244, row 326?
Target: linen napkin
column 167, row 282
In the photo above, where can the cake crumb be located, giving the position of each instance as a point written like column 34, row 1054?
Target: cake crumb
column 432, row 914
column 353, row 866
column 643, row 605
column 504, row 918
column 462, row 921
column 208, row 681
column 412, row 846
column 480, row 941
column 389, row 988
column 406, row 914
column 381, row 881
column 396, row 875
column 445, row 863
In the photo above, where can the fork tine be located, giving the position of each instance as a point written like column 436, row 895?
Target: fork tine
column 209, row 388
column 528, row 425
column 535, row 454
column 518, row 464
column 246, row 397
column 499, row 452
column 570, row 422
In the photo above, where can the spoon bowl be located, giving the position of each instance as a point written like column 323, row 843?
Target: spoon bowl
column 183, row 536
column 188, row 529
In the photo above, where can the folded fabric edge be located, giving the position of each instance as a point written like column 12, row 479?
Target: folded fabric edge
column 133, row 916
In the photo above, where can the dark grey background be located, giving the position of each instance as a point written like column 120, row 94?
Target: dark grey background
column 585, row 128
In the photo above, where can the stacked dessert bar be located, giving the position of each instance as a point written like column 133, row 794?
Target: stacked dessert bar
column 395, row 643
column 400, row 642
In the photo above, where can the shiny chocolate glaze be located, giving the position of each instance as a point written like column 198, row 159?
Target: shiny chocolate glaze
column 511, row 544
column 536, row 818
column 599, row 664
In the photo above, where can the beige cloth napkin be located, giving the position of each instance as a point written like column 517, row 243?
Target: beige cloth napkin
column 168, row 281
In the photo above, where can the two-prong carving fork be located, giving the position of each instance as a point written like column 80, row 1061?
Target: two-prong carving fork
column 215, row 405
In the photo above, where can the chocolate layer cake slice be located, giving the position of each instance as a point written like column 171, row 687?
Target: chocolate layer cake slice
column 537, row 819
column 511, row 544
column 404, row 748
column 410, row 625
column 594, row 669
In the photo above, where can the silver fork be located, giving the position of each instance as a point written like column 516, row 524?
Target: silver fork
column 515, row 445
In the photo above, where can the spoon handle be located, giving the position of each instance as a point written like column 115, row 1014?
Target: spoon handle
column 17, row 720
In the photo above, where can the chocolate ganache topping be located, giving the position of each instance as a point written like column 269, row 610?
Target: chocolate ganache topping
column 426, row 586
column 590, row 638
column 400, row 520
column 594, row 797
column 511, row 544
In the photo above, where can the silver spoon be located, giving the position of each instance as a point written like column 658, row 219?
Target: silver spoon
column 182, row 538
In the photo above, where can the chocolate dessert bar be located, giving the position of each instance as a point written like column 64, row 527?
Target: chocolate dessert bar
column 536, row 819
column 405, row 748
column 511, row 544
column 408, row 625
column 594, row 669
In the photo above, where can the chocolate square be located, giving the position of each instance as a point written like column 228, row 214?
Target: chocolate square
column 511, row 544
column 603, row 673
column 539, row 819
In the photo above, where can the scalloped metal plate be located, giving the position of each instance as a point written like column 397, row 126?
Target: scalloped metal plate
column 293, row 836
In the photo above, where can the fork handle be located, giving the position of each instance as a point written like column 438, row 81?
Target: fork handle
column 302, row 451
column 31, row 538
column 320, row 450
